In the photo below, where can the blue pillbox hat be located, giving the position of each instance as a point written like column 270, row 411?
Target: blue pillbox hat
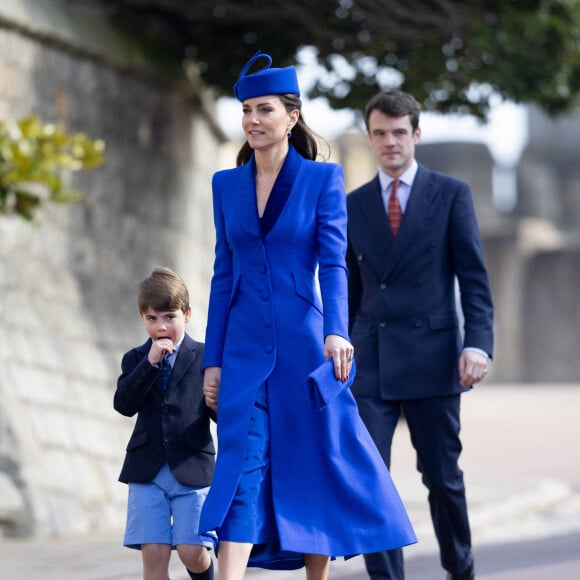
column 266, row 81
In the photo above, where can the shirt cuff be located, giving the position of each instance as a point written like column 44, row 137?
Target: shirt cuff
column 475, row 349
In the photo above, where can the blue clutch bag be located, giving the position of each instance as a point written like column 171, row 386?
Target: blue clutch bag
column 325, row 387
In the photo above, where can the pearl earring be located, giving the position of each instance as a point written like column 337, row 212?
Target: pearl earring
column 289, row 134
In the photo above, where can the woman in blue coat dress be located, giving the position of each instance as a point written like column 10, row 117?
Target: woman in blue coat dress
column 298, row 479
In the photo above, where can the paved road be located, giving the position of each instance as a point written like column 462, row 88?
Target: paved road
column 522, row 467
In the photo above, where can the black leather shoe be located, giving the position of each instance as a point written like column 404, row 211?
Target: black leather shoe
column 468, row 574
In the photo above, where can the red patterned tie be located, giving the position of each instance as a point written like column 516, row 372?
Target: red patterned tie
column 394, row 209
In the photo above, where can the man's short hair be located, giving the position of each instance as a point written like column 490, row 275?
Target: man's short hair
column 394, row 103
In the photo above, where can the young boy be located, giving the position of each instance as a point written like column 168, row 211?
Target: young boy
column 170, row 457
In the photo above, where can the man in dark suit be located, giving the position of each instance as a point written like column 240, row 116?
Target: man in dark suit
column 412, row 233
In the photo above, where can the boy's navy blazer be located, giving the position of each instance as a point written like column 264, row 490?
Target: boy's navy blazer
column 403, row 318
column 172, row 426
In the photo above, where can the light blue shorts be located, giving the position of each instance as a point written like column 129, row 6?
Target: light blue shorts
column 164, row 511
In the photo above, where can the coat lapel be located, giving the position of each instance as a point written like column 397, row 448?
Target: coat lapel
column 284, row 185
column 246, row 199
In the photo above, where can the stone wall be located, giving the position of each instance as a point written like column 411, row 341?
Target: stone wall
column 68, row 283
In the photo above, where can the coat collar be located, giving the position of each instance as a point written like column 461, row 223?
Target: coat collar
column 246, row 195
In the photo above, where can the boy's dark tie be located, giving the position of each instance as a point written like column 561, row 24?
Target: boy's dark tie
column 165, row 370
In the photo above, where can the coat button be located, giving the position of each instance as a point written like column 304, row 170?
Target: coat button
column 262, row 269
column 268, row 349
column 266, row 323
column 382, row 323
column 383, row 286
column 359, row 257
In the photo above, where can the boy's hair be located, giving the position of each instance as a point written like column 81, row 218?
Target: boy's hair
column 164, row 291
column 394, row 103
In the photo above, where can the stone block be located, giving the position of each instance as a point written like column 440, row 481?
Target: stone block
column 12, row 505
column 551, row 316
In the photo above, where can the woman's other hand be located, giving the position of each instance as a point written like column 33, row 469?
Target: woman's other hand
column 341, row 352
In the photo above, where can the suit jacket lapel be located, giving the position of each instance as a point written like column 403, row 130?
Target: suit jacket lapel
column 183, row 361
column 421, row 197
column 376, row 216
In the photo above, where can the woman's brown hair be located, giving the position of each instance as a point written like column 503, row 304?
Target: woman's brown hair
column 303, row 138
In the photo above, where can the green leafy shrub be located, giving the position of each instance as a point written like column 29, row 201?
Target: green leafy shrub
column 34, row 160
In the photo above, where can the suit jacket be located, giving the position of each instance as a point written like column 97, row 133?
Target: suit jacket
column 173, row 425
column 402, row 297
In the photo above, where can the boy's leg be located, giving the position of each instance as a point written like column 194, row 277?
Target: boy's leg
column 207, row 575
column 155, row 561
column 197, row 561
column 149, row 527
column 186, row 503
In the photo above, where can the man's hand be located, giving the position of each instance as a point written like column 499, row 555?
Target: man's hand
column 472, row 367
